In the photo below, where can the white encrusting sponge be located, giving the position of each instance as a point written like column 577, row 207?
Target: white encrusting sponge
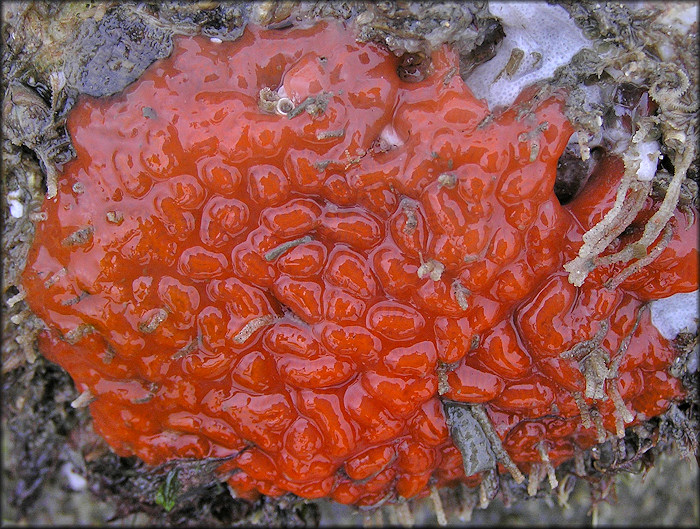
column 544, row 36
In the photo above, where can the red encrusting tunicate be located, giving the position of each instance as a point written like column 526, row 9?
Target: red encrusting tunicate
column 299, row 285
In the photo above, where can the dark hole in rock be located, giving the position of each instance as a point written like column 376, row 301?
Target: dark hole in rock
column 667, row 164
column 573, row 173
column 413, row 67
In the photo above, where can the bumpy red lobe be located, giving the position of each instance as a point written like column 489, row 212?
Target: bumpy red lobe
column 227, row 282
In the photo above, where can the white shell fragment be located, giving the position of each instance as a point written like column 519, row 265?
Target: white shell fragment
column 13, row 201
column 75, row 481
column 675, row 314
column 648, row 159
column 470, row 439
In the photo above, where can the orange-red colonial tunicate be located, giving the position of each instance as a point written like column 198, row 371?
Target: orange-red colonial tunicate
column 287, row 279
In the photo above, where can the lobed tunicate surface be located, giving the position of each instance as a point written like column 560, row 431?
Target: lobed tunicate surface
column 301, row 291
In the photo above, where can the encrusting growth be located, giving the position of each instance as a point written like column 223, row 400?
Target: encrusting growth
column 226, row 274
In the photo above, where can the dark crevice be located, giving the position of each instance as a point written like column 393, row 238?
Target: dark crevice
column 485, row 51
column 573, row 173
column 413, row 67
column 667, row 165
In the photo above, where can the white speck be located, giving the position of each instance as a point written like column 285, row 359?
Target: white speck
column 648, row 159
column 390, row 136
column 75, row 481
column 548, row 38
column 16, row 207
column 675, row 314
column 216, row 40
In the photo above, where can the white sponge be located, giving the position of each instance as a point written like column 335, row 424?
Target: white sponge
column 675, row 313
column 548, row 38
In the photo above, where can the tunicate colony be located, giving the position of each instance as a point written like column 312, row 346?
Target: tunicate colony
column 306, row 292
